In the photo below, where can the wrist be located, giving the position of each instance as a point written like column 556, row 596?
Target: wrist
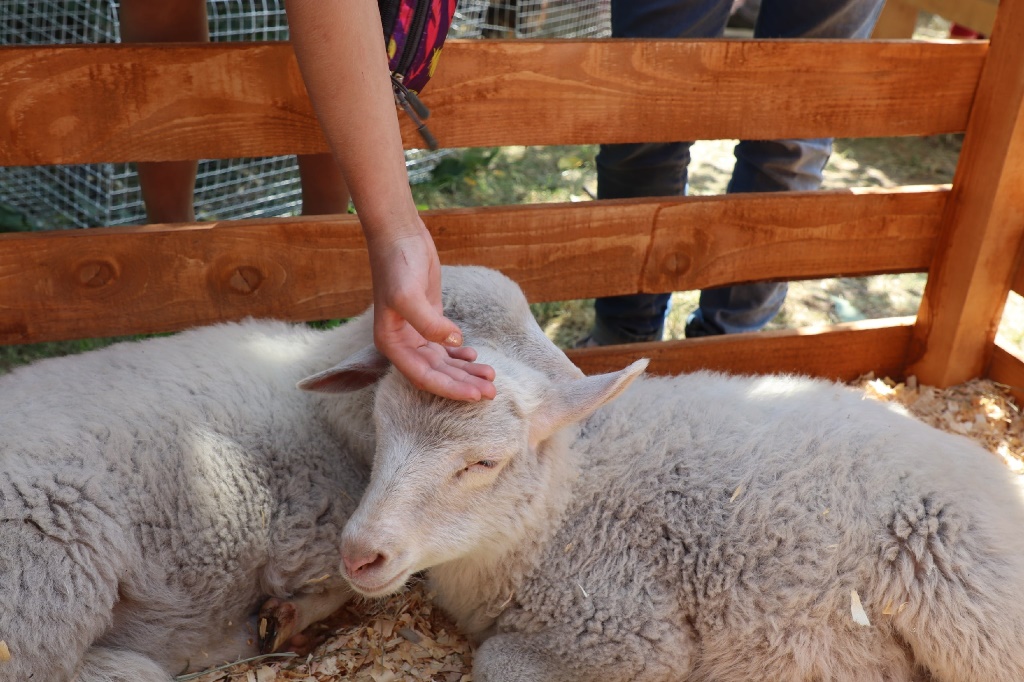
column 391, row 229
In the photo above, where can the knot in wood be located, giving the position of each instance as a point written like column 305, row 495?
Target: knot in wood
column 678, row 263
column 245, row 279
column 96, row 273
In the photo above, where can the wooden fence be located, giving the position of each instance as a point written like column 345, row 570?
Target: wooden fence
column 84, row 104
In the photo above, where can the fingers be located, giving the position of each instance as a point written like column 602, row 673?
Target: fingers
column 475, row 374
column 479, row 370
column 461, row 353
column 431, row 368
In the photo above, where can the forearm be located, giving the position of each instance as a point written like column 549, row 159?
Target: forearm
column 340, row 48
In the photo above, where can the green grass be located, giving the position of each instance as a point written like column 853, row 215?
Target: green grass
column 12, row 356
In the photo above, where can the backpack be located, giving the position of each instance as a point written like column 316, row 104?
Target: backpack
column 414, row 32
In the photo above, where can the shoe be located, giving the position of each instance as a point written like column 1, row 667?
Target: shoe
column 696, row 327
column 586, row 342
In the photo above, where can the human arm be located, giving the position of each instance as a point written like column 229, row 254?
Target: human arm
column 340, row 50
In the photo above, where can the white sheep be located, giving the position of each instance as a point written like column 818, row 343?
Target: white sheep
column 699, row 527
column 153, row 494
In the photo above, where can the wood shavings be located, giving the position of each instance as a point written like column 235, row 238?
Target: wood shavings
column 5, row 652
column 399, row 639
column 404, row 638
column 981, row 409
column 891, row 610
column 860, row 617
column 314, row 581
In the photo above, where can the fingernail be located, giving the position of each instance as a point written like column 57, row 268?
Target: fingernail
column 454, row 339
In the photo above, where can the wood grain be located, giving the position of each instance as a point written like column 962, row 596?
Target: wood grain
column 112, row 103
column 1006, row 368
column 113, row 281
column 727, row 240
column 1017, row 283
column 983, row 225
column 841, row 352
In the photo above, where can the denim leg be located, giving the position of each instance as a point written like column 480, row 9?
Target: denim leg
column 629, row 319
column 782, row 165
column 669, row 18
column 740, row 308
column 648, row 170
column 762, row 166
column 637, row 170
column 652, row 170
column 817, row 19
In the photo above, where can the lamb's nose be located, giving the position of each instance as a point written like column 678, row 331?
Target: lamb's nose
column 356, row 563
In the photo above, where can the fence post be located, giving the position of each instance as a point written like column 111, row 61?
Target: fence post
column 982, row 225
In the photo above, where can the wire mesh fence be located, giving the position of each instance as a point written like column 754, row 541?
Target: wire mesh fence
column 543, row 18
column 108, row 194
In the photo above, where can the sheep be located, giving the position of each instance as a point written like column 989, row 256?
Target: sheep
column 153, row 494
column 696, row 527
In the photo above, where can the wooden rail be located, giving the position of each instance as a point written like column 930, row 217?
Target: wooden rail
column 840, row 352
column 85, row 104
column 113, row 281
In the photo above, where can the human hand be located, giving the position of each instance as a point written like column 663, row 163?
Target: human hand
column 409, row 327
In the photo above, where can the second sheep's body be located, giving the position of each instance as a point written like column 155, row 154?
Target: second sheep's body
column 153, row 494
column 700, row 527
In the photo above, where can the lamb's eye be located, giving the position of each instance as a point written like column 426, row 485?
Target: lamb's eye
column 480, row 465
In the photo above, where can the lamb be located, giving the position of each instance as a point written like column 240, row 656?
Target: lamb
column 698, row 527
column 153, row 494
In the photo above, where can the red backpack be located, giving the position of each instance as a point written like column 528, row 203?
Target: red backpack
column 414, row 32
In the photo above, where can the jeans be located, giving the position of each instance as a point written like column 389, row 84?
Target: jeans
column 659, row 169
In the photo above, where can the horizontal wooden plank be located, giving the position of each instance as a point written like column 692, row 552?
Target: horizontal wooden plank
column 113, row 281
column 841, row 352
column 727, row 240
column 106, row 103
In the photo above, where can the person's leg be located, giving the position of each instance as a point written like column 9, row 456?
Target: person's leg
column 168, row 188
column 779, row 165
column 653, row 169
column 324, row 191
column 817, row 19
column 636, row 170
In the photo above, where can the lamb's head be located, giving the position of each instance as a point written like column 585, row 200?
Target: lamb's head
column 453, row 479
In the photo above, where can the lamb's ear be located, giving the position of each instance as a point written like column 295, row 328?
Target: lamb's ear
column 572, row 401
column 359, row 370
